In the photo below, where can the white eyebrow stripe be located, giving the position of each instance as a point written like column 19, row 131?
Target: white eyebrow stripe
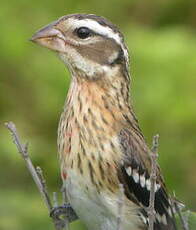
column 95, row 26
column 103, row 30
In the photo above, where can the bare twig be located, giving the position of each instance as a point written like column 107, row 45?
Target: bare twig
column 65, row 211
column 23, row 150
column 44, row 186
column 155, row 145
column 60, row 220
column 183, row 218
column 153, row 177
column 120, row 207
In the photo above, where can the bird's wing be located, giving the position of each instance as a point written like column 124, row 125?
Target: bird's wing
column 134, row 174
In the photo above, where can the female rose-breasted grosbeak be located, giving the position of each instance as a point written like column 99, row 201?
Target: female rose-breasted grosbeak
column 99, row 140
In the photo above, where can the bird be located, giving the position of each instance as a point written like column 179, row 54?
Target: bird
column 101, row 146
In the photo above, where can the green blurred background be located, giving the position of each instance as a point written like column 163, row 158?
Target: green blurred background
column 161, row 38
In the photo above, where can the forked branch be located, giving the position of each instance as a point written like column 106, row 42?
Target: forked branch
column 61, row 215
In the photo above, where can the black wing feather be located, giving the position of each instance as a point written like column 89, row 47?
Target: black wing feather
column 137, row 158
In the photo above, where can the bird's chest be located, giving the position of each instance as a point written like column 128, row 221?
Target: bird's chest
column 88, row 137
column 89, row 155
column 89, row 152
column 87, row 172
column 91, row 206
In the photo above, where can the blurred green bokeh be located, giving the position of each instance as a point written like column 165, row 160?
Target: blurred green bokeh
column 33, row 84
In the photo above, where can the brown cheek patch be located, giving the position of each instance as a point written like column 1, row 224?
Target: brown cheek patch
column 100, row 52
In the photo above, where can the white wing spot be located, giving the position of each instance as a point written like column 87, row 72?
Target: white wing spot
column 148, row 184
column 142, row 180
column 144, row 219
column 135, row 176
column 157, row 187
column 169, row 212
column 128, row 170
column 163, row 219
column 158, row 217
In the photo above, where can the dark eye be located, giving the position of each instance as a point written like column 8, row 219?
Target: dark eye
column 83, row 32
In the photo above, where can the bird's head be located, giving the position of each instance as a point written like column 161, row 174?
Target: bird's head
column 89, row 45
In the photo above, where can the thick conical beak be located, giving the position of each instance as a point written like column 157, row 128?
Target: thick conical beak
column 50, row 37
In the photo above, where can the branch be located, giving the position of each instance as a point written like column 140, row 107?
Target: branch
column 183, row 218
column 153, row 177
column 61, row 215
column 23, row 150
